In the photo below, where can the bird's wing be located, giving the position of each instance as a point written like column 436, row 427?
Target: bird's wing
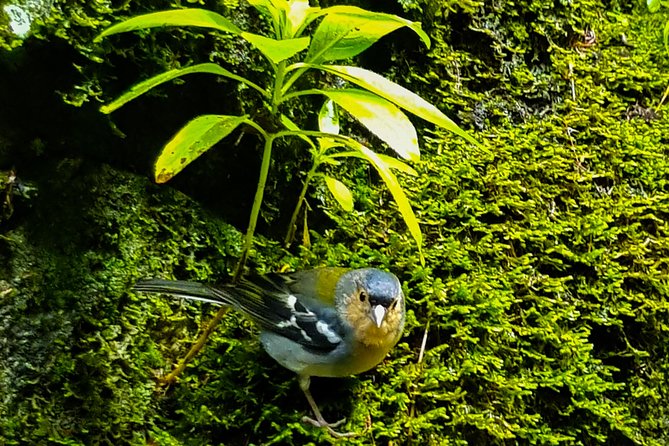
column 275, row 305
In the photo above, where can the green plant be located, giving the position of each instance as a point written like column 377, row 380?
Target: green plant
column 343, row 32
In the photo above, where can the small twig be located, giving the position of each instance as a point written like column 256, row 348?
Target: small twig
column 664, row 97
column 421, row 355
column 424, row 343
column 571, row 80
column 171, row 377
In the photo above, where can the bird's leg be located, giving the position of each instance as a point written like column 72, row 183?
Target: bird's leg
column 320, row 421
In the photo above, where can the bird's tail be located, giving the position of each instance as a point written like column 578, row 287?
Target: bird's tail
column 182, row 288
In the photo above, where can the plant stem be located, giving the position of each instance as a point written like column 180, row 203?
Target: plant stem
column 257, row 202
column 292, row 226
column 301, row 93
column 293, row 78
column 264, row 170
column 248, row 243
column 278, row 85
column 250, row 231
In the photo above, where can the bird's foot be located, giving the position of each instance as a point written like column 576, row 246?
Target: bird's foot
column 330, row 427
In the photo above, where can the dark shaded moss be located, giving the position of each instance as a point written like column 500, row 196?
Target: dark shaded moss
column 77, row 352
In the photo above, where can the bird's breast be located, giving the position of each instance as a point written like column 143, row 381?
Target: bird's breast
column 359, row 358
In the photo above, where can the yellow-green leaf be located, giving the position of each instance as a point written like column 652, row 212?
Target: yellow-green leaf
column 346, row 31
column 396, row 94
column 328, row 122
column 276, row 50
column 396, row 190
column 306, row 238
column 298, row 11
column 290, row 125
column 195, row 138
column 340, row 192
column 177, row 17
column 328, row 118
column 381, row 117
column 398, row 165
column 275, row 9
column 393, row 163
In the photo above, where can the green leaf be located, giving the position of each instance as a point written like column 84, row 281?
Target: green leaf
column 287, row 16
column 144, row 86
column 398, row 165
column 328, row 118
column 340, row 192
column 346, row 31
column 393, row 163
column 381, row 117
column 397, row 94
column 297, row 14
column 653, row 5
column 328, row 122
column 395, row 189
column 665, row 35
column 277, row 50
column 177, row 17
column 195, row 138
column 271, row 8
column 290, row 125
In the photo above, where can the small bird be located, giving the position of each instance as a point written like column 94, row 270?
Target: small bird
column 329, row 322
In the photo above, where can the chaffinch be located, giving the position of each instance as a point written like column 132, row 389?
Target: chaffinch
column 330, row 322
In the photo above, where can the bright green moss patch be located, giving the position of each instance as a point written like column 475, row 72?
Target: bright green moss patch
column 546, row 280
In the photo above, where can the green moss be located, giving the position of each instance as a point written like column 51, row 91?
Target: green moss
column 546, row 280
column 78, row 353
column 544, row 295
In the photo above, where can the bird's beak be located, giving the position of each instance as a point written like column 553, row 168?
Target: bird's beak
column 377, row 314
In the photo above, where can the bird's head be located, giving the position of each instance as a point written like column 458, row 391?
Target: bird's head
column 372, row 303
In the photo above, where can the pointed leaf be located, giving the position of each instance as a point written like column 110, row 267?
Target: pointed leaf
column 396, row 164
column 144, row 86
column 381, row 117
column 277, row 50
column 271, row 8
column 346, row 31
column 329, row 161
column 290, row 125
column 177, row 17
column 298, row 12
column 328, row 122
column 397, row 94
column 195, row 138
column 340, row 192
column 287, row 16
column 393, row 163
column 306, row 238
column 328, row 118
column 395, row 189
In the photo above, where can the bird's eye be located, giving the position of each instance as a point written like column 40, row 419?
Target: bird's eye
column 363, row 296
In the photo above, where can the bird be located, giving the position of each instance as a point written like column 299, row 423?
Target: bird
column 324, row 322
